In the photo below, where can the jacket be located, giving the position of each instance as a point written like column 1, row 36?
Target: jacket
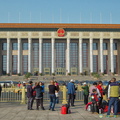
column 93, row 87
column 71, row 88
column 86, row 90
column 39, row 93
column 114, row 90
column 29, row 91
column 100, row 89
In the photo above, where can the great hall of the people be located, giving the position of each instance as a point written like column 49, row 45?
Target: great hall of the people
column 59, row 49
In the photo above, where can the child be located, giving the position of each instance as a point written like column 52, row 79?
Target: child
column 94, row 100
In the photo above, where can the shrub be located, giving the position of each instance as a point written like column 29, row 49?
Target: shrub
column 41, row 74
column 96, row 75
column 27, row 75
column 69, row 74
column 53, row 74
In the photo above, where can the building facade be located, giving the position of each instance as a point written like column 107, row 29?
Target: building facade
column 59, row 49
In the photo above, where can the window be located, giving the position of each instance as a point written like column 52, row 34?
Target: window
column 25, row 46
column 25, row 64
column 105, row 63
column 14, row 46
column 115, row 64
column 95, row 46
column 4, row 46
column 35, row 56
column 105, row 46
column 60, row 55
column 74, row 55
column 14, row 64
column 46, row 55
column 95, row 63
column 114, row 46
column 85, row 54
column 4, row 64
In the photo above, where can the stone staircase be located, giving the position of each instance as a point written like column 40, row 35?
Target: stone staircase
column 58, row 78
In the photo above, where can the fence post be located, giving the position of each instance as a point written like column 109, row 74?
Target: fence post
column 64, row 95
column 23, row 96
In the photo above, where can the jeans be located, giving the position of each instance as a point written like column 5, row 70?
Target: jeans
column 57, row 100
column 71, row 99
column 30, row 103
column 85, row 99
column 113, row 101
column 52, row 101
column 39, row 102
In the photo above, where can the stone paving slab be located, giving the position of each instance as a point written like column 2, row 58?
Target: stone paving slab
column 16, row 111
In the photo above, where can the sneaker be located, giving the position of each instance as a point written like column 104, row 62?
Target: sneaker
column 115, row 116
column 107, row 116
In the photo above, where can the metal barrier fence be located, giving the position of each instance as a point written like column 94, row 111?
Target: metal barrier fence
column 19, row 95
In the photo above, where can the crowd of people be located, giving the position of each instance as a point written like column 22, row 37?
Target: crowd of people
column 36, row 93
column 95, row 93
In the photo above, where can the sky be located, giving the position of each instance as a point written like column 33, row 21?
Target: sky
column 60, row 11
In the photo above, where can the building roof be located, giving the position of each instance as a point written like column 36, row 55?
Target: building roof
column 58, row 25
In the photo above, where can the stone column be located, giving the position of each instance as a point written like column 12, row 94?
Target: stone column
column 91, row 55
column 19, row 56
column 8, row 55
column 80, row 56
column 101, row 55
column 40, row 55
column 53, row 44
column 111, row 56
column 29, row 55
column 68, row 56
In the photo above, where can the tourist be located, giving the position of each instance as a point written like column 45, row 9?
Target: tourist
column 85, row 92
column 52, row 88
column 30, row 95
column 71, row 92
column 39, row 96
column 56, row 92
column 94, row 86
column 94, row 100
column 34, row 92
column 113, row 96
column 101, row 89
column 43, row 90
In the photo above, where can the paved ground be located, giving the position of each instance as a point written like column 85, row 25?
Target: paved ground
column 15, row 111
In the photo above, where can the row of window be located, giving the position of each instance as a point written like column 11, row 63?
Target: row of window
column 25, row 46
column 73, row 63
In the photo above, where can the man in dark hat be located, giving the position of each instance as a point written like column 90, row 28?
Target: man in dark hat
column 30, row 95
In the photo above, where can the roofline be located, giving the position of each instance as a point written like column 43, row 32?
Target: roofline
column 58, row 25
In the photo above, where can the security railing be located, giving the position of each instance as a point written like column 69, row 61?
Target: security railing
column 19, row 95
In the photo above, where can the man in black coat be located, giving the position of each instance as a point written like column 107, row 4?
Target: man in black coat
column 30, row 95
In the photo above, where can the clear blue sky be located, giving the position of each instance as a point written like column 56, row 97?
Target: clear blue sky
column 60, row 11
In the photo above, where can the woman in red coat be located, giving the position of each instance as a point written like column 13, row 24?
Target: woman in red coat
column 100, row 87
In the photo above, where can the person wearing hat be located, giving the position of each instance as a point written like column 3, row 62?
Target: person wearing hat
column 30, row 95
column 85, row 92
column 71, row 92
